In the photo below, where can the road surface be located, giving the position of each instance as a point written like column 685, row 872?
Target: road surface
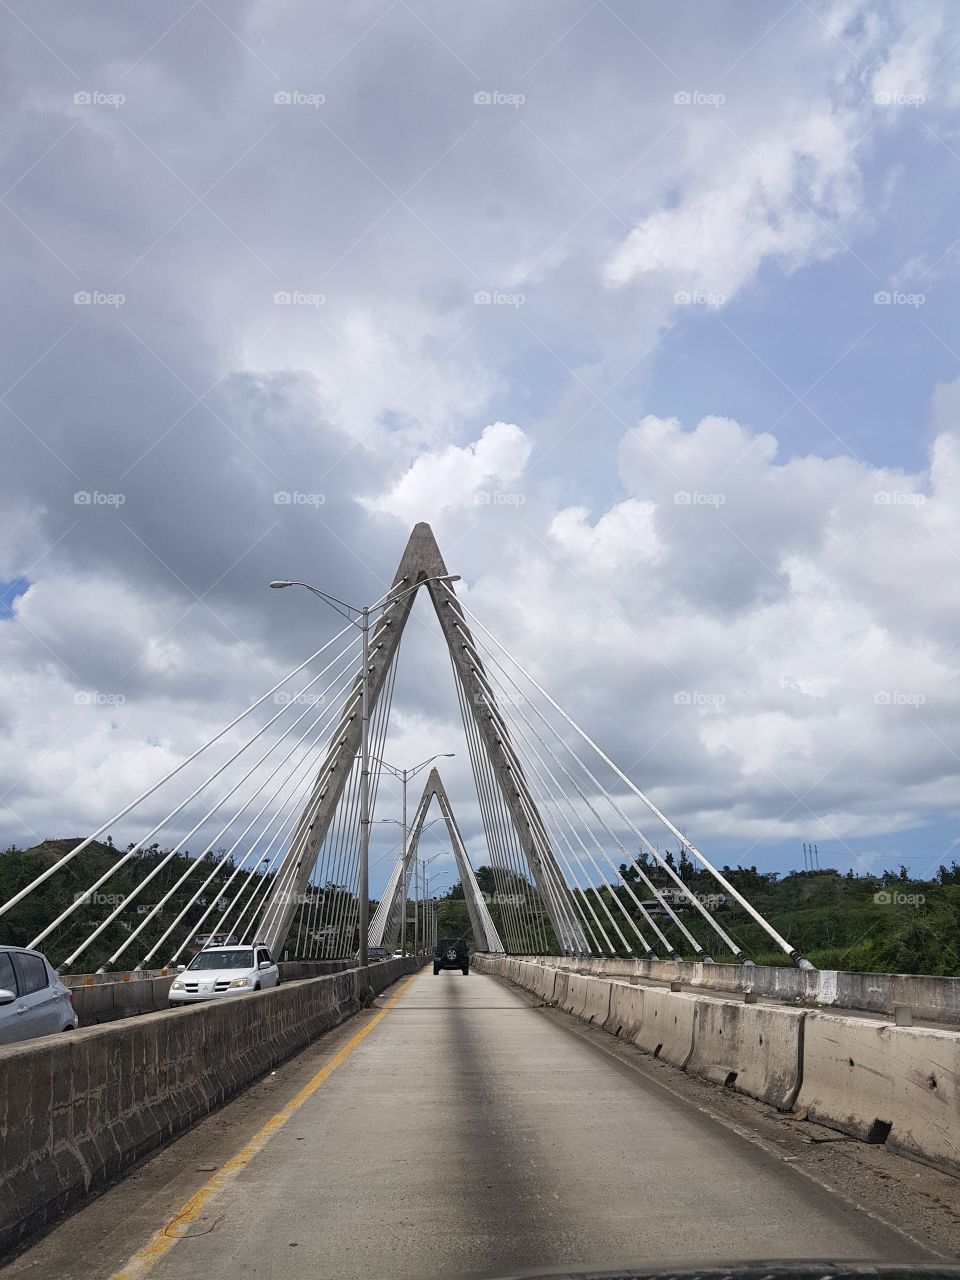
column 461, row 1131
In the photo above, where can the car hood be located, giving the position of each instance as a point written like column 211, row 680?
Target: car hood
column 213, row 975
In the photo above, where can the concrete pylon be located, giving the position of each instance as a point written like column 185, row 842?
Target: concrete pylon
column 421, row 560
column 388, row 916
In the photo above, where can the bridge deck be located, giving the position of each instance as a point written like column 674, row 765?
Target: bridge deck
column 465, row 1131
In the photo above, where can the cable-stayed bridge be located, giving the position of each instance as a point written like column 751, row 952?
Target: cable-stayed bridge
column 615, row 1083
column 266, row 825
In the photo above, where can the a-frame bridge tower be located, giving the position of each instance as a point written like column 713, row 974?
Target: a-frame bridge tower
column 421, row 561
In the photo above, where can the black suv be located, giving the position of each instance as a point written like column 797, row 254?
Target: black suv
column 451, row 953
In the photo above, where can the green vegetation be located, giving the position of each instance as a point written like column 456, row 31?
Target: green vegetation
column 453, row 918
column 18, row 867
column 878, row 924
column 887, row 923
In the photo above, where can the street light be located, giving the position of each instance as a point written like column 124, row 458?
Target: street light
column 403, row 869
column 425, row 862
column 363, row 622
column 436, row 910
column 405, row 775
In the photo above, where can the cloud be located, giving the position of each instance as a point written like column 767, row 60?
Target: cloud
column 484, row 473
column 784, row 653
column 299, row 370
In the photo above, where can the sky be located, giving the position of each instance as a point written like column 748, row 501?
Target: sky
column 649, row 309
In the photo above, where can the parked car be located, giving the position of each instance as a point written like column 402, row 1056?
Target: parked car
column 451, row 953
column 223, row 971
column 33, row 1000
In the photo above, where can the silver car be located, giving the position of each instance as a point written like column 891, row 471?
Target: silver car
column 33, row 1000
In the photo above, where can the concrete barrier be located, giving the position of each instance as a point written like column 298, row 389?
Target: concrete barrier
column 544, row 984
column 626, row 1010
column 80, row 1109
column 936, row 999
column 755, row 1049
column 576, row 996
column 294, row 970
column 899, row 1085
column 106, row 997
column 596, row 1003
column 97, row 1002
column 666, row 1029
column 560, row 984
column 881, row 1083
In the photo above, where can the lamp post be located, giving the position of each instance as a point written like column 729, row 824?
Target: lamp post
column 397, row 823
column 405, row 775
column 425, row 863
column 363, row 622
column 436, row 915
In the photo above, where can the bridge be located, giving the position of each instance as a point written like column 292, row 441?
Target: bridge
column 281, row 802
column 617, row 1083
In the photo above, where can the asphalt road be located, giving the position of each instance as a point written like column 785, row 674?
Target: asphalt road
column 469, row 1134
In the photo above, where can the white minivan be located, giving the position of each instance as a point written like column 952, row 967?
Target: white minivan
column 33, row 1000
column 224, row 971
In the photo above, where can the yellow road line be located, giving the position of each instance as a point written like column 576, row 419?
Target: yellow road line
column 168, row 1235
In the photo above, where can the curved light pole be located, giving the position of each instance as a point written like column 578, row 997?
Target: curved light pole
column 405, row 775
column 362, row 620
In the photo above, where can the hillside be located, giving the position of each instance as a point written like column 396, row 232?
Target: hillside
column 881, row 924
column 887, row 923
column 18, row 867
